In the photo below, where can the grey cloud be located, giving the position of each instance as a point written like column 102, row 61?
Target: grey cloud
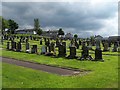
column 80, row 16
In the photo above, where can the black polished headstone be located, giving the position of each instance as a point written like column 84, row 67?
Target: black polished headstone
column 61, row 50
column 98, row 55
column 8, row 45
column 19, row 47
column 72, row 52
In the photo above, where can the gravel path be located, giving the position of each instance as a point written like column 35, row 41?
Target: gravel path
column 46, row 68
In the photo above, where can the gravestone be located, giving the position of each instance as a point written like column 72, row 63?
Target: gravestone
column 98, row 55
column 72, row 52
column 98, row 44
column 8, row 45
column 79, row 42
column 57, row 42
column 76, row 44
column 119, row 49
column 92, row 40
column 61, row 50
column 106, row 46
column 115, row 47
column 109, row 43
column 83, row 45
column 26, row 40
column 98, row 52
column 45, row 39
column 40, row 41
column 30, row 37
column 51, row 50
column 52, row 47
column 34, row 49
column 85, row 54
column 2, row 40
column 90, row 46
column 47, row 43
column 64, row 44
column 13, row 45
column 72, row 43
column 19, row 47
column 27, row 48
column 43, row 50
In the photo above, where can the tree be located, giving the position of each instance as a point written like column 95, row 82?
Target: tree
column 60, row 32
column 75, row 36
column 12, row 26
column 4, row 24
column 37, row 26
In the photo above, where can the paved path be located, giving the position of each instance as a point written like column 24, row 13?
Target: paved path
column 46, row 68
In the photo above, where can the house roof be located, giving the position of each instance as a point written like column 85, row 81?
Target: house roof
column 25, row 30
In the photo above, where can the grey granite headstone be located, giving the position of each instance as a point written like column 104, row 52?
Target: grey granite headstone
column 106, row 46
column 43, row 49
column 98, row 44
column 34, row 49
column 115, row 47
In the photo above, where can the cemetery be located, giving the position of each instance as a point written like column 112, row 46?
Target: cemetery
column 91, row 56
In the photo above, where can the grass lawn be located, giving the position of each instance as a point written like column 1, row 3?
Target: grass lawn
column 102, row 75
column 28, row 78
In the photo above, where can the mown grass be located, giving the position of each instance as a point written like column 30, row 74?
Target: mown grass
column 28, row 78
column 102, row 75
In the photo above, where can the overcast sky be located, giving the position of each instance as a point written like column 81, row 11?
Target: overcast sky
column 82, row 18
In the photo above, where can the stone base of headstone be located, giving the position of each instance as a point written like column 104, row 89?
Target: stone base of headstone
column 89, row 57
column 72, row 57
column 27, row 51
column 61, row 55
column 49, row 54
column 98, row 55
